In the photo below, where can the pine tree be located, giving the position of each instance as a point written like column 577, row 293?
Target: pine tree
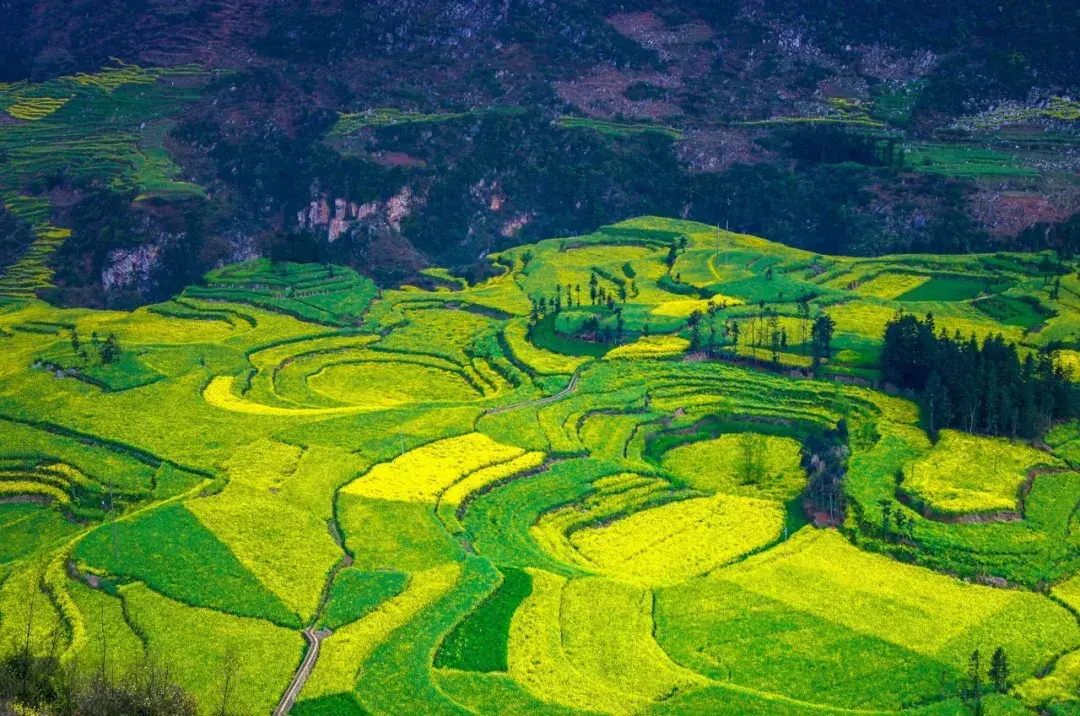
column 999, row 670
column 974, row 678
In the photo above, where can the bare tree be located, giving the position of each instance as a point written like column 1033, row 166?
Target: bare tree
column 230, row 675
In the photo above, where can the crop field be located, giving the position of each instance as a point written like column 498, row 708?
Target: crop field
column 964, row 474
column 475, row 505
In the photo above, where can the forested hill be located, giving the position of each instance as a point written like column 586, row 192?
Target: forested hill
column 144, row 142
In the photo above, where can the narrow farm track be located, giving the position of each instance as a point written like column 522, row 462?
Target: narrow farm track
column 314, row 639
column 570, row 388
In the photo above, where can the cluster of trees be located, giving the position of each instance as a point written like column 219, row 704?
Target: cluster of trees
column 677, row 247
column 985, row 388
column 895, row 526
column 825, row 458
column 601, row 296
column 107, row 351
column 767, row 334
column 40, row 685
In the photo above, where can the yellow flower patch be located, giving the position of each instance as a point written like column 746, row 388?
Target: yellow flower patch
column 820, row 572
column 968, row 474
column 683, row 309
column 287, row 548
column 421, row 475
column 681, row 540
column 193, row 642
column 453, row 496
column 219, row 393
column 538, row 661
column 607, row 634
column 720, row 465
column 31, row 109
column 651, row 347
column 891, row 285
column 541, row 361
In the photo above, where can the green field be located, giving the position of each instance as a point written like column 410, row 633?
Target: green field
column 482, row 509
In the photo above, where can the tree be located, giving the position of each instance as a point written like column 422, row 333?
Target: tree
column 886, row 511
column 230, row 673
column 824, row 458
column 751, row 461
column 622, row 292
column 999, row 670
column 672, row 255
column 804, row 317
column 774, row 337
column 110, row 350
column 968, row 386
column 76, row 343
column 592, row 287
column 821, row 334
column 974, row 678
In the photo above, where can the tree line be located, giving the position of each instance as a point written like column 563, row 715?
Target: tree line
column 986, row 388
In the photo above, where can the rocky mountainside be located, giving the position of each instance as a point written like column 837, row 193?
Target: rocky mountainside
column 143, row 142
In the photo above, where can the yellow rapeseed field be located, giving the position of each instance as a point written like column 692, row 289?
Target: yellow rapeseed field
column 651, row 347
column 421, row 475
column 969, row 474
column 681, row 540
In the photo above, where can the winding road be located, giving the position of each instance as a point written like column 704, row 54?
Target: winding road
column 314, row 639
column 570, row 387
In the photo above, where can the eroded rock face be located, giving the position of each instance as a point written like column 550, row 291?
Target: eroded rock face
column 130, row 268
column 346, row 214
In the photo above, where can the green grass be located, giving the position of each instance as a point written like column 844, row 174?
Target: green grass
column 946, row 289
column 109, row 129
column 1010, row 311
column 173, row 553
column 479, row 642
column 356, row 593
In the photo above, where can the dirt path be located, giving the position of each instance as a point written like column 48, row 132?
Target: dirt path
column 570, row 387
column 314, row 639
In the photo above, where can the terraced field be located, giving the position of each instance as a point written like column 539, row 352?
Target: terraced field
column 108, row 127
column 468, row 504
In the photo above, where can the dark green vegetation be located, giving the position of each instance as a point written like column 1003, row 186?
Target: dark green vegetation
column 195, row 568
column 356, row 593
column 983, row 388
column 43, row 684
column 479, row 642
column 401, row 137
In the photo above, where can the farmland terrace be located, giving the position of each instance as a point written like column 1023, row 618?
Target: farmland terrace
column 626, row 474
